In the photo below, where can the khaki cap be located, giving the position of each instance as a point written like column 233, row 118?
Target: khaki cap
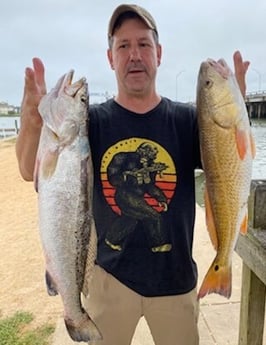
column 140, row 11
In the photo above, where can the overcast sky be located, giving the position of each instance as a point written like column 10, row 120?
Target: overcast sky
column 69, row 34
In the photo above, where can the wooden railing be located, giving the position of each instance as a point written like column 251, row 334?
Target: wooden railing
column 252, row 249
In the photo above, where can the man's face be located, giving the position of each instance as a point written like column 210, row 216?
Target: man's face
column 135, row 57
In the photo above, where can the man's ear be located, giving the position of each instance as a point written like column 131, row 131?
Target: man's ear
column 110, row 57
column 159, row 54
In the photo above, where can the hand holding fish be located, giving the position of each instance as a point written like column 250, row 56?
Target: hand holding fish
column 31, row 121
column 34, row 90
column 241, row 68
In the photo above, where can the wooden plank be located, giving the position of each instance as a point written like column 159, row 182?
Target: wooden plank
column 252, row 310
column 252, row 250
column 256, row 207
column 252, row 247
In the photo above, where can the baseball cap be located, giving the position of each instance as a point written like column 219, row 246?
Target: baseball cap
column 140, row 11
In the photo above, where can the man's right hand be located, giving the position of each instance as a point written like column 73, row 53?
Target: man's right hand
column 31, row 121
column 34, row 90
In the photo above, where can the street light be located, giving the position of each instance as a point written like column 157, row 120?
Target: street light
column 176, row 83
column 259, row 75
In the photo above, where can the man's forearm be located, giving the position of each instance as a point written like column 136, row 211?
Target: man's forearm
column 26, row 149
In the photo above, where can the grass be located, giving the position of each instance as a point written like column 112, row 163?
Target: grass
column 14, row 331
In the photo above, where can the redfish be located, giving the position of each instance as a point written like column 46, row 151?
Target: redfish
column 227, row 150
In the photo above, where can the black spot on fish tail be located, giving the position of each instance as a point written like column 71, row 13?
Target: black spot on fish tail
column 50, row 285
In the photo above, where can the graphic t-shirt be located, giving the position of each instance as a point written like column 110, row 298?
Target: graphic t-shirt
column 144, row 194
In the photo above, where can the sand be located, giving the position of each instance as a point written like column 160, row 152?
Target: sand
column 22, row 285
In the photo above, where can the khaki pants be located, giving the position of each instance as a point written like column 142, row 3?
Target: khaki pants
column 117, row 309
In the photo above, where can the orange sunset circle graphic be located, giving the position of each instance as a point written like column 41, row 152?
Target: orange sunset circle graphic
column 165, row 179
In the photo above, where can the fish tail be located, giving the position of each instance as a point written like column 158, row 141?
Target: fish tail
column 85, row 331
column 218, row 280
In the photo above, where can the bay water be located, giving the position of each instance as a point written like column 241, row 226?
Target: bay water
column 259, row 163
column 9, row 125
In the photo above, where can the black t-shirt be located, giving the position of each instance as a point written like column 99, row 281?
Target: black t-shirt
column 144, row 194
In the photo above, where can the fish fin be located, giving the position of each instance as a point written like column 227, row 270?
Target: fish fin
column 253, row 146
column 244, row 225
column 85, row 331
column 241, row 142
column 210, row 220
column 51, row 286
column 217, row 280
column 49, row 163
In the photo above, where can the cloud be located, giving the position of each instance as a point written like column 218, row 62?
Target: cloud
column 68, row 34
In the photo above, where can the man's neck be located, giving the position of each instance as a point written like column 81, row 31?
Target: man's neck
column 138, row 104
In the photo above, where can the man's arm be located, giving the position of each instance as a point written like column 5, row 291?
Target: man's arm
column 31, row 122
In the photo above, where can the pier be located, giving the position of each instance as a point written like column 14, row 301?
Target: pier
column 8, row 132
column 252, row 249
column 256, row 104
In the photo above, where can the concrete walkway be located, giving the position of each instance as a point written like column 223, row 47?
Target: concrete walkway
column 219, row 317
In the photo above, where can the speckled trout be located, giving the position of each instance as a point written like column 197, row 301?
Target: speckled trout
column 64, row 182
column 227, row 150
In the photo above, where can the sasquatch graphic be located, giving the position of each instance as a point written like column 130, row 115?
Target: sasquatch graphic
column 133, row 174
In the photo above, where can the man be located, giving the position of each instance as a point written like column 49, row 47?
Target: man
column 130, row 279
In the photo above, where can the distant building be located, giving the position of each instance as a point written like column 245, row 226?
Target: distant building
column 7, row 109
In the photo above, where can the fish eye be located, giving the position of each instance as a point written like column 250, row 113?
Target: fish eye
column 83, row 99
column 208, row 83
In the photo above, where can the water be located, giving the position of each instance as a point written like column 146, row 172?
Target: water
column 7, row 123
column 259, row 163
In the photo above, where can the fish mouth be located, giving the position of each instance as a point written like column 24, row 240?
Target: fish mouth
column 65, row 85
column 220, row 67
column 68, row 78
column 65, row 80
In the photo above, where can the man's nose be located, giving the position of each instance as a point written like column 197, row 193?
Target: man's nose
column 135, row 54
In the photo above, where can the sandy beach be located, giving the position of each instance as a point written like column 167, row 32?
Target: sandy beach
column 22, row 284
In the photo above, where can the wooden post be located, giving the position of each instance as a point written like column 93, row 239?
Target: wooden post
column 252, row 249
column 257, row 205
column 252, row 309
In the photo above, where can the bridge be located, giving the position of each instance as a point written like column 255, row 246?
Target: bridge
column 256, row 104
